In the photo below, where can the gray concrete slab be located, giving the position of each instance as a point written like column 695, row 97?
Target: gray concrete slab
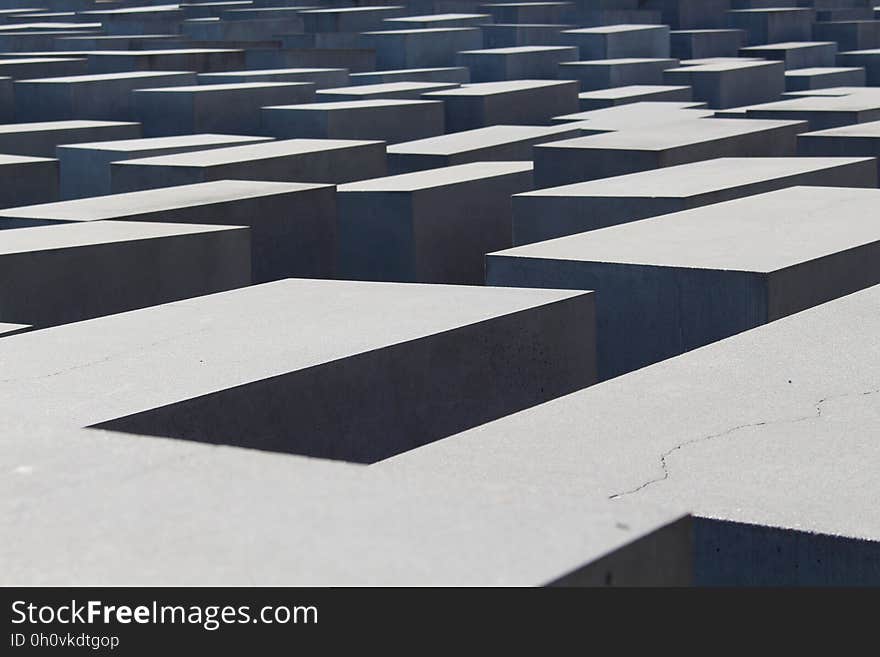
column 356, row 60
column 425, row 48
column 764, row 436
column 58, row 274
column 592, row 100
column 199, row 60
column 516, row 63
column 455, row 74
column 40, row 139
column 27, row 180
column 620, row 41
column 519, row 102
column 804, row 79
column 291, row 160
column 225, row 369
column 85, row 168
column 389, row 120
column 773, row 24
column 731, row 83
column 99, row 97
column 606, row 73
column 849, row 35
column 679, row 281
column 436, row 20
column 322, row 78
column 702, row 43
column 492, row 143
column 692, row 14
column 796, row 54
column 292, row 225
column 233, row 108
column 820, row 113
column 853, row 140
column 508, row 35
column 637, row 116
column 42, row 67
column 430, row 226
column 553, row 212
column 393, row 90
column 690, row 140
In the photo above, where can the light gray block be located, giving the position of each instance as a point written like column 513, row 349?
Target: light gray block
column 804, row 79
column 293, row 160
column 673, row 283
column 427, row 48
column 492, row 143
column 517, row 63
column 593, row 100
column 232, row 108
column 85, row 168
column 518, row 102
column 860, row 140
column 629, row 151
column 199, row 60
column 40, row 139
column 820, row 112
column 292, row 225
column 430, row 226
column 606, row 73
column 98, row 97
column 27, row 180
column 322, row 78
column 765, row 436
column 59, row 274
column 620, row 41
column 391, row 121
column 557, row 211
column 731, row 83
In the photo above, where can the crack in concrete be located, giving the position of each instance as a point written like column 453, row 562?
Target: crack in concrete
column 664, row 466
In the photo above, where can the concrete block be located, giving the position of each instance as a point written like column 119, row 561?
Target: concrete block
column 731, row 84
column 676, row 282
column 692, row 14
column 849, row 35
column 804, row 79
column 384, row 90
column 629, row 151
column 293, row 160
column 331, row 392
column 199, row 60
column 27, row 180
column 85, row 168
column 530, row 12
column 545, row 214
column 452, row 74
column 605, row 73
column 427, row 48
column 40, row 139
column 700, row 44
column 292, row 225
column 820, row 112
column 42, row 67
column 774, row 25
column 620, row 41
column 105, row 96
column 593, row 100
column 139, row 20
column 809, row 54
column 356, row 60
column 519, row 102
column 517, row 63
column 636, row 116
column 509, row 35
column 322, row 78
column 430, row 226
column 349, row 19
column 60, row 274
column 7, row 329
column 868, row 59
column 492, row 143
column 436, row 20
column 232, row 108
column 860, row 140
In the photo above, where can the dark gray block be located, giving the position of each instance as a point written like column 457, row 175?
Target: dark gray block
column 606, row 73
column 773, row 25
column 199, row 60
column 508, row 35
column 593, row 100
column 861, row 140
column 454, row 74
column 40, row 139
column 383, row 90
column 426, row 48
column 517, row 63
column 620, row 41
column 699, row 44
column 27, row 180
column 731, row 84
column 803, row 79
column 797, row 54
column 42, row 67
column 322, row 78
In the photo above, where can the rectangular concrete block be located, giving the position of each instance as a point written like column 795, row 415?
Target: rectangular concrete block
column 606, row 73
column 292, row 160
column 424, row 48
column 27, row 180
column 431, row 226
column 593, row 100
column 59, row 274
column 85, row 168
column 773, row 25
column 509, row 35
column 732, row 83
column 849, row 35
column 383, row 90
column 348, row 19
column 553, row 212
column 322, row 78
column 199, row 60
column 700, row 44
column 453, row 74
column 40, row 139
column 519, row 102
column 98, row 97
column 860, row 140
column 391, row 121
column 233, row 108
column 804, row 54
column 436, row 20
column 42, row 67
column 804, row 79
column 680, row 281
column 692, row 14
column 867, row 59
column 517, row 63
column 820, row 112
column 356, row 60
column 492, row 143
column 620, row 41
column 292, row 225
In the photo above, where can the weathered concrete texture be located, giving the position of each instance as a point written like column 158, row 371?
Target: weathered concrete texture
column 592, row 100
column 223, row 368
column 27, row 180
column 732, row 83
column 765, row 435
column 388, row 120
column 676, row 282
column 232, row 108
column 292, row 160
column 425, row 48
column 392, row 90
column 699, row 44
column 519, row 102
column 289, row 520
column 293, row 225
column 59, row 274
column 322, row 78
column 85, row 168
column 605, row 73
column 204, row 60
column 545, row 214
column 516, row 63
column 40, row 139
column 42, row 67
column 773, row 25
column 804, row 79
column 97, row 97
column 629, row 151
column 493, row 143
column 430, row 226
column 806, row 54
column 619, row 41
column 455, row 74
column 852, row 140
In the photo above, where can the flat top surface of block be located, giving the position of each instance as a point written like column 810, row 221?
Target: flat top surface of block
column 790, row 45
column 350, row 10
column 22, row 159
column 66, row 236
column 457, row 142
column 231, row 86
column 852, row 103
column 441, row 177
column 637, row 115
column 151, row 53
column 154, row 200
column 220, row 156
column 382, row 87
column 633, row 90
column 821, row 70
column 426, row 30
column 763, row 233
column 434, row 17
column 696, row 178
column 355, row 104
column 611, row 29
column 40, row 60
column 871, row 129
column 516, row 50
column 490, row 88
column 619, row 61
column 722, row 66
column 100, row 77
column 271, row 71
column 129, row 145
column 13, row 128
